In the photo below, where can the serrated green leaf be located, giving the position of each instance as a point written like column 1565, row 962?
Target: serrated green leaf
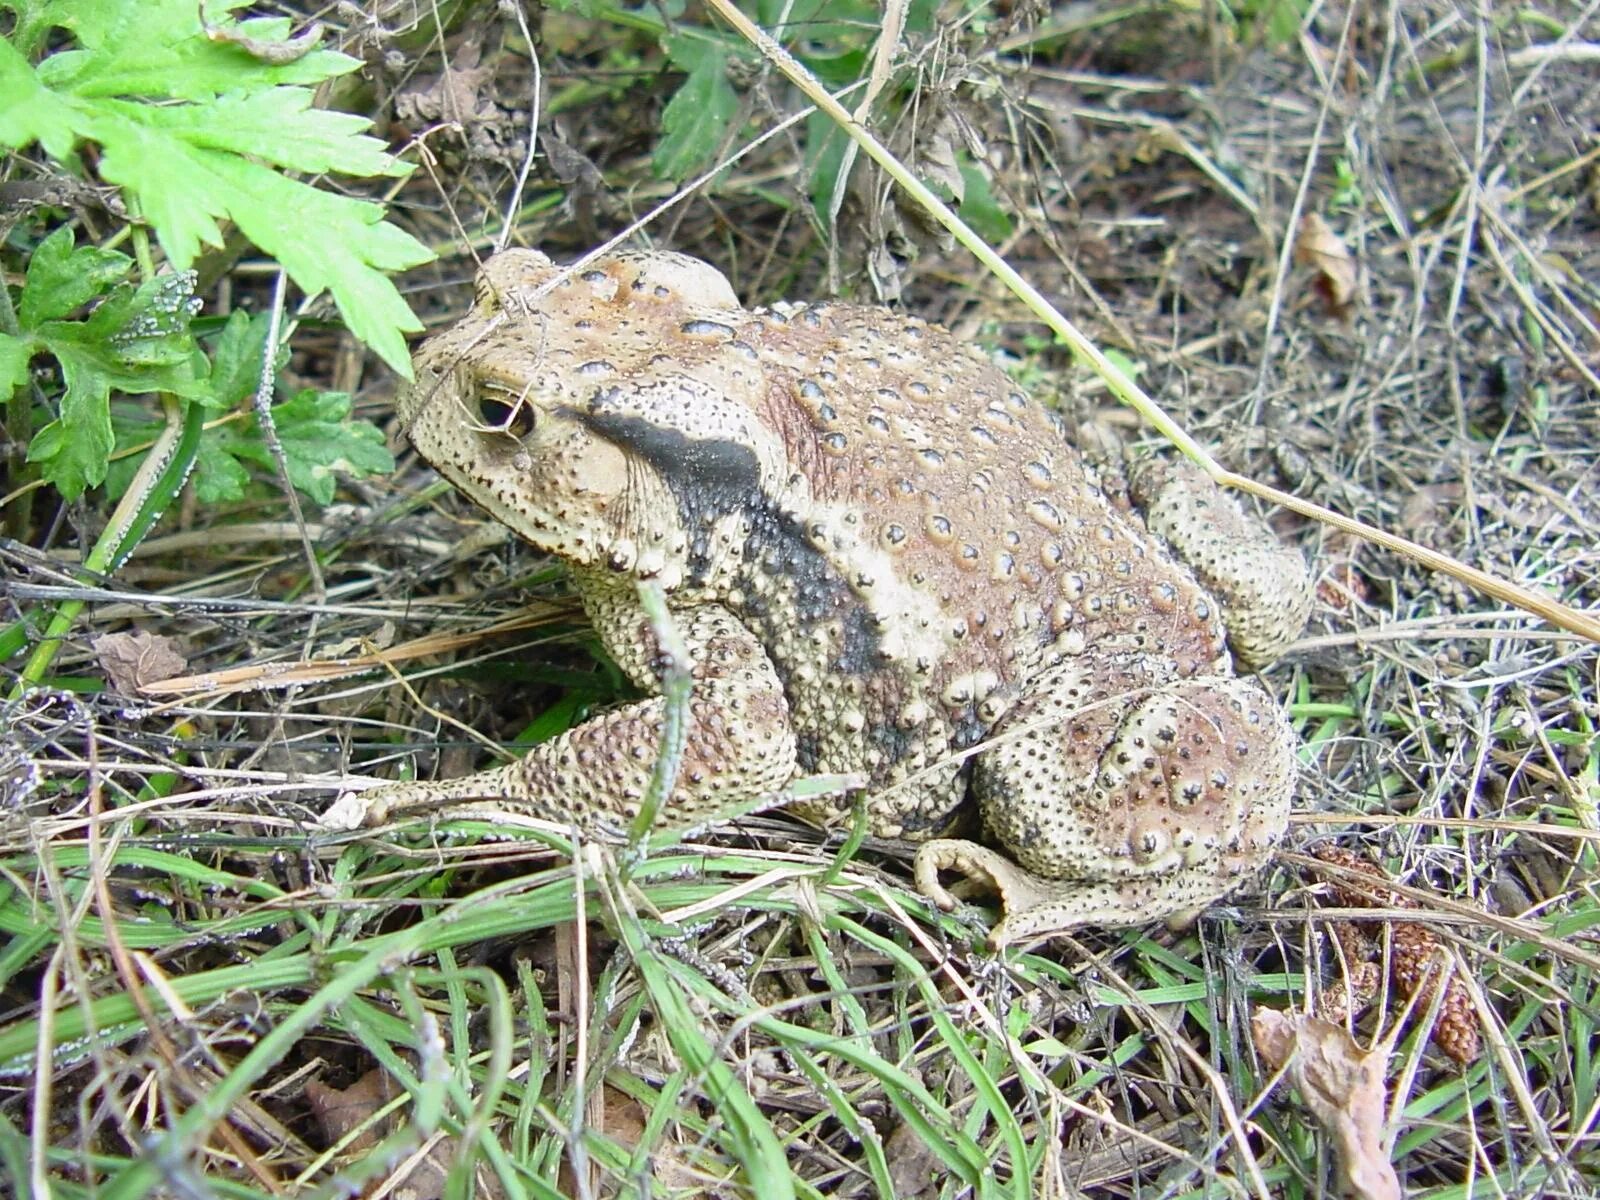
column 72, row 339
column 136, row 341
column 326, row 242
column 14, row 355
column 281, row 126
column 316, row 462
column 319, row 442
column 176, row 192
column 61, row 277
column 147, row 326
column 156, row 48
column 219, row 477
column 698, row 115
column 30, row 112
column 337, row 244
column 188, row 166
column 95, row 23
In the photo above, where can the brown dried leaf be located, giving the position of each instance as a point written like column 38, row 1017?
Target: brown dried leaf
column 133, row 661
column 1318, row 247
column 338, row 1111
column 936, row 161
column 913, row 1166
column 273, row 53
column 1342, row 1086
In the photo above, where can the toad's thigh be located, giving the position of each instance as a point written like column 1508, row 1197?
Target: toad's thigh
column 1138, row 775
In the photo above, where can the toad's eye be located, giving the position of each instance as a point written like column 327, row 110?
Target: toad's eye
column 511, row 415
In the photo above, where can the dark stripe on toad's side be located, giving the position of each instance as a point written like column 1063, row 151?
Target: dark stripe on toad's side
column 708, row 477
column 711, row 478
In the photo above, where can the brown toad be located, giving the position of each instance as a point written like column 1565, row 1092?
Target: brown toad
column 885, row 560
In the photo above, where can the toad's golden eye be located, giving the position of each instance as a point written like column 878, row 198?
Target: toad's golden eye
column 503, row 413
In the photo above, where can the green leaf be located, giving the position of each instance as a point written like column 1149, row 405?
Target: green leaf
column 74, row 448
column 14, row 355
column 319, row 441
column 281, row 126
column 326, row 242
column 335, row 243
column 219, row 477
column 824, row 24
column 825, row 152
column 157, row 48
column 97, row 22
column 236, row 362
column 1129, row 368
column 30, row 113
column 1283, row 21
column 698, row 115
column 218, row 152
column 978, row 207
column 136, row 341
column 148, row 326
column 176, row 192
column 61, row 278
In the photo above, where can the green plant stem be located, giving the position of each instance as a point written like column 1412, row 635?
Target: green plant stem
column 19, row 423
column 157, row 483
column 676, row 688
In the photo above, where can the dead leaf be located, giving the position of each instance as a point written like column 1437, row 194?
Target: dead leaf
column 936, row 163
column 457, row 98
column 133, row 661
column 1343, row 1088
column 913, row 1166
column 1318, row 247
column 461, row 95
column 338, row 1111
column 273, row 53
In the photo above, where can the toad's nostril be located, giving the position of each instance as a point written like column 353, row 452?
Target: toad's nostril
column 511, row 415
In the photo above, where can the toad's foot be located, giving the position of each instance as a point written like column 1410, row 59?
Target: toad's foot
column 491, row 795
column 1035, row 908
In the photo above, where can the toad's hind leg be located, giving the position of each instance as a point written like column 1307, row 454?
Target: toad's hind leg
column 1124, row 810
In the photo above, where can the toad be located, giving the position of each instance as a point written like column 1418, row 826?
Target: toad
column 886, row 562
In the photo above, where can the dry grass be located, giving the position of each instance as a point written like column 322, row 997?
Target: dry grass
column 753, row 1001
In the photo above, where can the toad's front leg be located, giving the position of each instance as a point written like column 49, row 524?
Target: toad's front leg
column 739, row 747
